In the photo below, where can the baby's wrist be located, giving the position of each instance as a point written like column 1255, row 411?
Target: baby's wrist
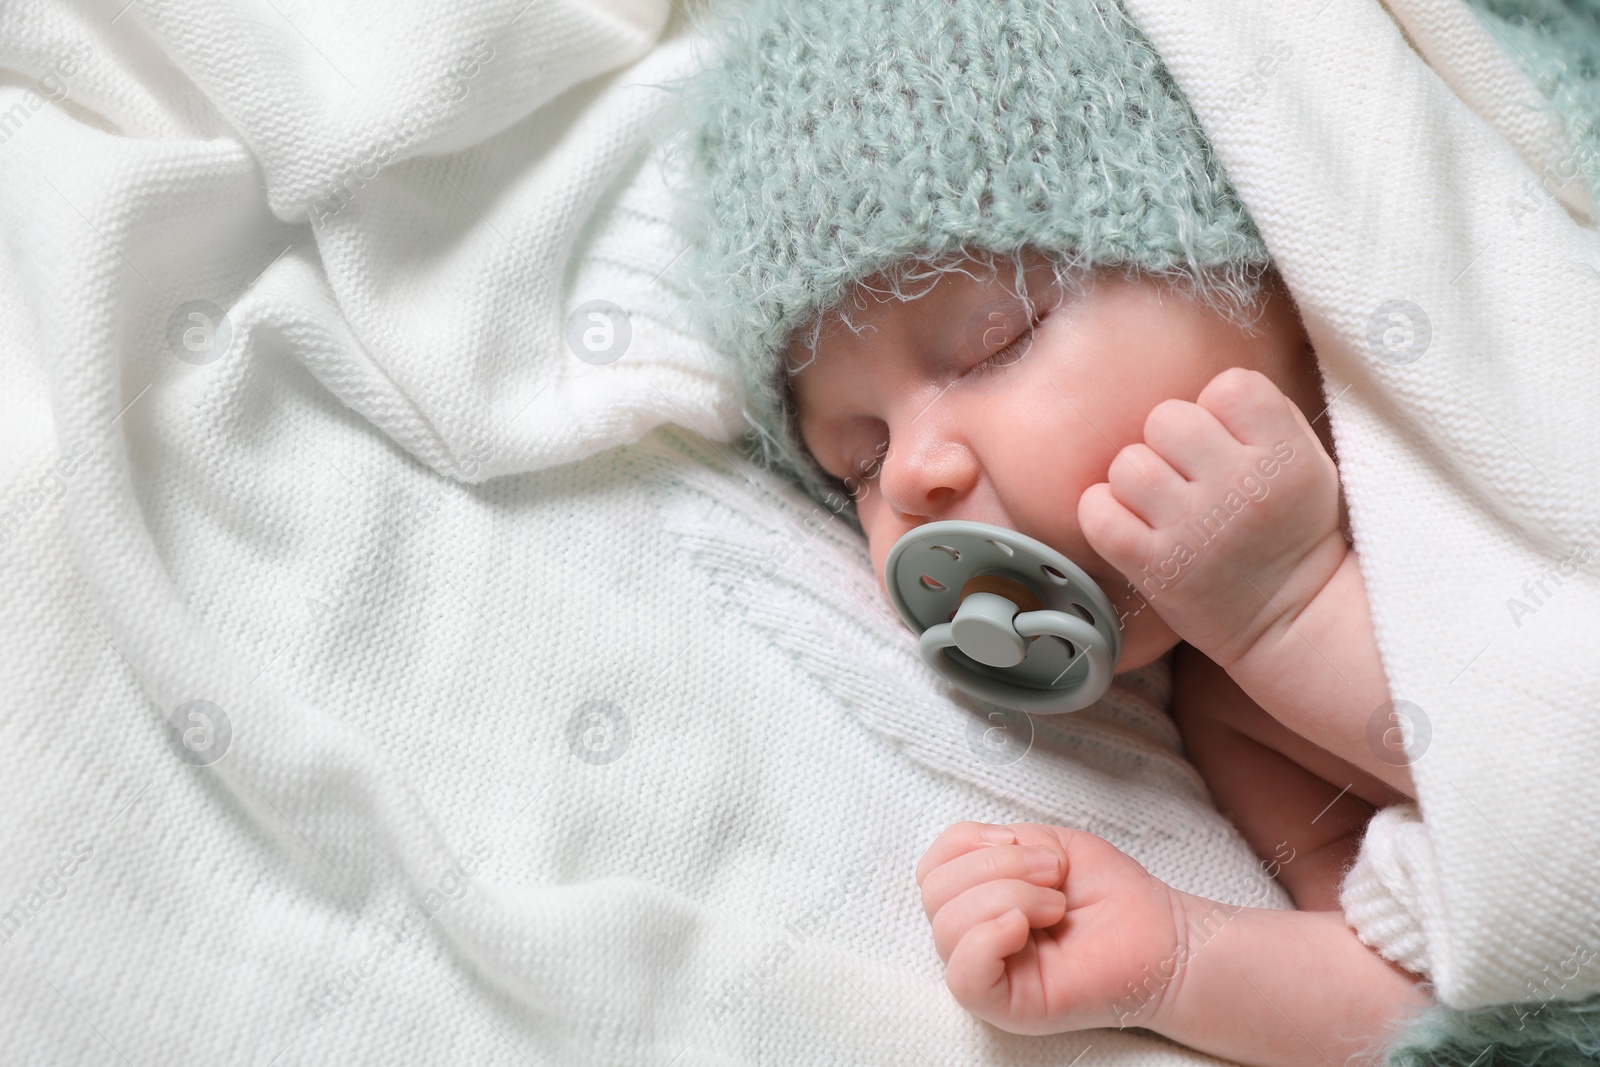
column 1149, row 1001
column 1172, row 1013
column 1266, row 986
column 1269, row 638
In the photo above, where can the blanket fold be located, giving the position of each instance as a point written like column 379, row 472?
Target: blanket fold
column 370, row 694
column 1450, row 281
column 401, row 666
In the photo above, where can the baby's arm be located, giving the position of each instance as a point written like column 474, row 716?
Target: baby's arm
column 1318, row 672
column 1302, row 809
column 1284, row 987
column 1093, row 940
column 1226, row 519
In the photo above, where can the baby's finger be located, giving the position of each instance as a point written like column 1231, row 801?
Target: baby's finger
column 1147, row 485
column 1121, row 537
column 976, row 972
column 961, row 838
column 1191, row 439
column 1041, row 866
column 1311, row 440
column 1250, row 407
column 983, row 903
column 1041, row 835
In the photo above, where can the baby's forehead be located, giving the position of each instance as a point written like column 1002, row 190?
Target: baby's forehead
column 978, row 293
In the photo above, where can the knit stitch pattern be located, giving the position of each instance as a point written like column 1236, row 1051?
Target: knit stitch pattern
column 827, row 144
column 1556, row 43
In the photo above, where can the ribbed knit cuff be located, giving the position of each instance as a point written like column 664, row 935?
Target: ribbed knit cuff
column 1380, row 898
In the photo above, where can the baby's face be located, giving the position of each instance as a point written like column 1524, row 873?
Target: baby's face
column 933, row 412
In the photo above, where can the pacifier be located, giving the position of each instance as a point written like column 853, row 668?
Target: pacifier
column 1004, row 617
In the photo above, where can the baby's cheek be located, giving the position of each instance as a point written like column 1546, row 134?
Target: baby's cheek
column 1049, row 513
column 882, row 532
column 1047, row 477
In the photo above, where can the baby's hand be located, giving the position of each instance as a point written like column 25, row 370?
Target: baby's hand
column 1226, row 516
column 1058, row 931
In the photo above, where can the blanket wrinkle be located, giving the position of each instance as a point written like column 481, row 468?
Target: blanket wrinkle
column 404, row 751
column 399, row 669
column 1454, row 320
column 1115, row 769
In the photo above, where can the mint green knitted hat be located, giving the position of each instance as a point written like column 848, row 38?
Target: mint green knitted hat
column 826, row 142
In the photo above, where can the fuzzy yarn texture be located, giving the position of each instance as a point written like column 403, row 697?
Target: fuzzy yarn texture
column 1556, row 43
column 826, row 145
column 1556, row 1034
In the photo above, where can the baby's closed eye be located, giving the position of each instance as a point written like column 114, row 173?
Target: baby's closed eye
column 1010, row 354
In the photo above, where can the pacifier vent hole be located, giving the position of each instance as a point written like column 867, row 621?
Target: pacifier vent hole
column 1051, row 572
column 1083, row 613
column 955, row 554
column 931, row 583
column 1002, row 546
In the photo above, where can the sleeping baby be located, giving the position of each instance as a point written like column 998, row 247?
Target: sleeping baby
column 975, row 260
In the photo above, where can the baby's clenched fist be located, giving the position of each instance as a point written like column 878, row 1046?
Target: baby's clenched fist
column 1226, row 515
column 1044, row 929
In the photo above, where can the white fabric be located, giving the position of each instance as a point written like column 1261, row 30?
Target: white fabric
column 1382, row 903
column 425, row 561
column 1469, row 472
column 402, row 854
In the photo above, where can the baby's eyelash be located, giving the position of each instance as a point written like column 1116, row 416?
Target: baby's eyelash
column 1005, row 357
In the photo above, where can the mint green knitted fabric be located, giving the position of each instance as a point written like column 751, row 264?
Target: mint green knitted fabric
column 824, row 143
column 1557, row 45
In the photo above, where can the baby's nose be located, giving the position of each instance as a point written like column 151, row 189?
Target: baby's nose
column 925, row 480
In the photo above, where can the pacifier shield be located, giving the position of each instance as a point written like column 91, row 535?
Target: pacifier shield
column 1005, row 617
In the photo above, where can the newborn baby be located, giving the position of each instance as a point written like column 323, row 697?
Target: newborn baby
column 1167, row 452
column 1130, row 384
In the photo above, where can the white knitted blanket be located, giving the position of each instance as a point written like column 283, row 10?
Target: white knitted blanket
column 397, row 667
column 1394, row 193
column 533, row 729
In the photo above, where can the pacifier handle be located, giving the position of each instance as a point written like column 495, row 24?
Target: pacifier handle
column 1089, row 642
column 1012, row 590
column 995, row 633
